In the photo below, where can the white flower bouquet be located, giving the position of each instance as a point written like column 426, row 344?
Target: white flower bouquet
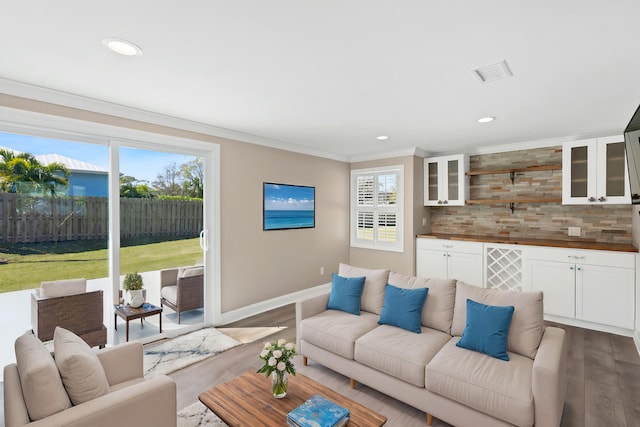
column 278, row 356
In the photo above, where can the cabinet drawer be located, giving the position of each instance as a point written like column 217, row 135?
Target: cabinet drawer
column 450, row 245
column 582, row 256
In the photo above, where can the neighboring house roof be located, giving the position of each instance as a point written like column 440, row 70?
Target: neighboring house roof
column 71, row 164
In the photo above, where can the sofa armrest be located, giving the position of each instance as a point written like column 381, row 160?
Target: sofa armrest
column 312, row 306
column 309, row 308
column 168, row 277
column 122, row 362
column 549, row 382
column 15, row 410
column 147, row 403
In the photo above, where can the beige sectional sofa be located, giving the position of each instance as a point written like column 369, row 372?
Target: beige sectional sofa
column 427, row 370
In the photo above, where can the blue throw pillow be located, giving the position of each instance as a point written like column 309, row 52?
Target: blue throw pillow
column 403, row 307
column 346, row 293
column 487, row 329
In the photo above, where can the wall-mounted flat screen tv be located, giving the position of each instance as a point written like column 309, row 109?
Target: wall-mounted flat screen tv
column 286, row 206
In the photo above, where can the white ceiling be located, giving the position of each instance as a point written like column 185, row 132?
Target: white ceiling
column 333, row 74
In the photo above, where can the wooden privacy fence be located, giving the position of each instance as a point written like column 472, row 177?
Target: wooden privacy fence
column 26, row 218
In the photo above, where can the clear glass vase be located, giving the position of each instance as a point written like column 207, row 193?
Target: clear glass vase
column 279, row 382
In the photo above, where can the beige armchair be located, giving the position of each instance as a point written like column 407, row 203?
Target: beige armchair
column 130, row 401
column 66, row 303
column 182, row 289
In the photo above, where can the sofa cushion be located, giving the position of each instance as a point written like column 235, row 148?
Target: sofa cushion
column 337, row 331
column 437, row 312
column 400, row 353
column 487, row 329
column 374, row 284
column 42, row 387
column 403, row 308
column 500, row 389
column 82, row 373
column 60, row 288
column 346, row 293
column 170, row 293
column 527, row 323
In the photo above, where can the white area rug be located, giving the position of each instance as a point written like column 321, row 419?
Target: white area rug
column 176, row 353
column 196, row 415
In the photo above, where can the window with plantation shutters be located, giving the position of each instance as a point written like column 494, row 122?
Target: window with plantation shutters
column 376, row 208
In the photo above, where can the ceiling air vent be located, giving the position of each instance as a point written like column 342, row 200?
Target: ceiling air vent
column 491, row 73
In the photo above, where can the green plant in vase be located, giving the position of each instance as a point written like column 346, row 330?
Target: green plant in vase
column 132, row 286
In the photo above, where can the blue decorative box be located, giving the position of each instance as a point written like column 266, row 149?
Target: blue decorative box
column 318, row 411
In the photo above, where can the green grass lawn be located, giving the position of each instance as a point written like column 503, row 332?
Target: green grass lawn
column 29, row 265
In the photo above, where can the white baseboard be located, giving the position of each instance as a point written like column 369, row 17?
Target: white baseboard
column 262, row 306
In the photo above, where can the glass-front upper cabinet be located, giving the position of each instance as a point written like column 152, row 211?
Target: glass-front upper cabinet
column 594, row 171
column 445, row 180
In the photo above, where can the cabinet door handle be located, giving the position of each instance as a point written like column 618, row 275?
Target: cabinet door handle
column 579, row 268
column 446, row 202
column 570, row 268
column 591, row 199
column 602, row 199
column 577, row 256
column 439, row 202
column 447, row 246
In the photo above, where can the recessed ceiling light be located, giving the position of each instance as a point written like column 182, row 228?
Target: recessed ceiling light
column 382, row 137
column 486, row 119
column 123, row 47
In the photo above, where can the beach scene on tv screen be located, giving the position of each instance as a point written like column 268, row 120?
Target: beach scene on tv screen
column 288, row 206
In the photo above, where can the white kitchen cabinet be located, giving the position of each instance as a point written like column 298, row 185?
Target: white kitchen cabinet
column 588, row 285
column 445, row 180
column 605, row 295
column 450, row 259
column 594, row 171
column 556, row 280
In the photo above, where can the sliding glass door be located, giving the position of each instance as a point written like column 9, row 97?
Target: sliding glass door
column 161, row 221
column 76, row 204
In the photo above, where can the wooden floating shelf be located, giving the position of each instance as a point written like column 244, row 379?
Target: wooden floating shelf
column 507, row 201
column 512, row 170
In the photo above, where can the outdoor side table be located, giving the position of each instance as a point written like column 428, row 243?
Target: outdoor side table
column 128, row 313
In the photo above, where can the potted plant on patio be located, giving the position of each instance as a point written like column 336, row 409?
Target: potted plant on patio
column 132, row 285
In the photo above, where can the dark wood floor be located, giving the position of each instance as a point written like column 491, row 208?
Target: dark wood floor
column 604, row 376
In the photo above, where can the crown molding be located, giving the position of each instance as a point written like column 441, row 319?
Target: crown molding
column 413, row 151
column 529, row 145
column 52, row 96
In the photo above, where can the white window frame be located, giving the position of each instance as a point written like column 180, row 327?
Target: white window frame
column 398, row 209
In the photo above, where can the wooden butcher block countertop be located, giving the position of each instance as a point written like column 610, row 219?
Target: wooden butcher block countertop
column 575, row 244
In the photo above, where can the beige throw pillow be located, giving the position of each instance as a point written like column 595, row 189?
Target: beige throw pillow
column 374, row 286
column 437, row 312
column 82, row 373
column 527, row 323
column 42, row 387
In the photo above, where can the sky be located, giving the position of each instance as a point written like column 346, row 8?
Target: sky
column 278, row 197
column 141, row 164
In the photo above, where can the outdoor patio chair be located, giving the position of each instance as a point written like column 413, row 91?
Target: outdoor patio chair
column 182, row 289
column 66, row 303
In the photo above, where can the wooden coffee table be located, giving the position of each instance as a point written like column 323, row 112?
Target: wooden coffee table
column 247, row 401
column 128, row 313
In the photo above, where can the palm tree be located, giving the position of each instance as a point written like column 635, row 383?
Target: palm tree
column 24, row 167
